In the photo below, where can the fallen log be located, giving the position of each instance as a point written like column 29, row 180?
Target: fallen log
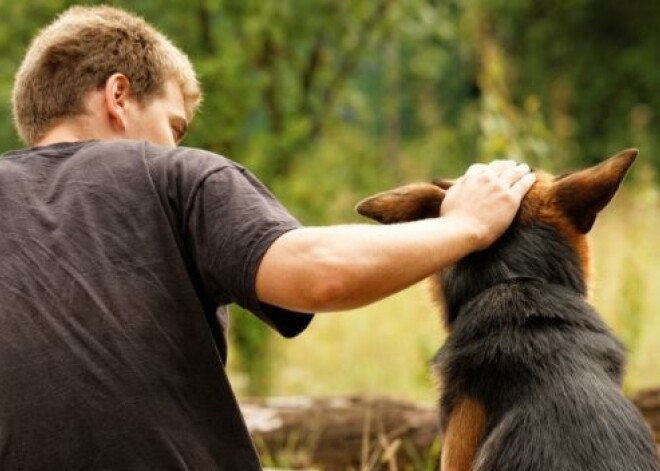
column 648, row 403
column 344, row 433
column 362, row 433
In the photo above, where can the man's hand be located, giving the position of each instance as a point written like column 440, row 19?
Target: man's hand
column 487, row 198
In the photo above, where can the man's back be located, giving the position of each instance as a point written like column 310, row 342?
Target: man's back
column 107, row 358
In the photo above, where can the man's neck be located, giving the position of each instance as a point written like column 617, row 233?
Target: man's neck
column 55, row 137
column 72, row 130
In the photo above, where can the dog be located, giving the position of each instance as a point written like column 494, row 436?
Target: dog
column 530, row 374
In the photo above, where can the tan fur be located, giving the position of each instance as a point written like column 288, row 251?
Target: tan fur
column 438, row 298
column 465, row 430
column 539, row 205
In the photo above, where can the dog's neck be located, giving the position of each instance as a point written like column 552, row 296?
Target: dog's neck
column 526, row 254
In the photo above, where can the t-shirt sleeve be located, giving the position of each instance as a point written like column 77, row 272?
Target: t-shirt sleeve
column 229, row 220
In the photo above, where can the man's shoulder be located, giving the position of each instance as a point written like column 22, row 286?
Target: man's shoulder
column 126, row 148
column 123, row 158
column 153, row 152
column 187, row 159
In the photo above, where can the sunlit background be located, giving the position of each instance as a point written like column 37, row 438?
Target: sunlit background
column 329, row 101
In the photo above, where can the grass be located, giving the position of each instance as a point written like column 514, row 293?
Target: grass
column 385, row 348
column 627, row 267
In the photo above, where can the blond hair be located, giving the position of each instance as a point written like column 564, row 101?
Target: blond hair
column 79, row 51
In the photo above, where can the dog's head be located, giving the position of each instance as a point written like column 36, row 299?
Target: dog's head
column 546, row 241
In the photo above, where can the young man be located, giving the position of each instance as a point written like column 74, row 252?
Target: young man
column 120, row 252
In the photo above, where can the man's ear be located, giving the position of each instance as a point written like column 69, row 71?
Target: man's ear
column 582, row 195
column 117, row 91
column 405, row 203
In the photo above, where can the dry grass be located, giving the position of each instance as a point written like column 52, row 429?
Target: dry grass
column 381, row 349
column 625, row 286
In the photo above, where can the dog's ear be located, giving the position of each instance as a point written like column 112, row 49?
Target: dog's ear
column 405, row 203
column 582, row 195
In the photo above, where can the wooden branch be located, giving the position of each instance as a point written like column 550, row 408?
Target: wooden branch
column 205, row 31
column 347, row 65
column 351, row 57
column 309, row 73
column 271, row 92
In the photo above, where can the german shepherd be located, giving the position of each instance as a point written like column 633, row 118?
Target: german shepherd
column 531, row 375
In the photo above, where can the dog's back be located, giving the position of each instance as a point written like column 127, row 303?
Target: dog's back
column 531, row 376
column 527, row 346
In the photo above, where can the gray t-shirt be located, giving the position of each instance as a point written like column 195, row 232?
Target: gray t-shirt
column 117, row 260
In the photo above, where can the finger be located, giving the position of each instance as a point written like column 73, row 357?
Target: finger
column 476, row 169
column 523, row 185
column 512, row 174
column 498, row 167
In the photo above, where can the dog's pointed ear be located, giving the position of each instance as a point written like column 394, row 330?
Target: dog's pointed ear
column 405, row 203
column 582, row 195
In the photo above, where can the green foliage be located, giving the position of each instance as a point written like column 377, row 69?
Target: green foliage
column 590, row 62
column 254, row 349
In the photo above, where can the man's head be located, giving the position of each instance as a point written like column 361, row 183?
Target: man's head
column 92, row 57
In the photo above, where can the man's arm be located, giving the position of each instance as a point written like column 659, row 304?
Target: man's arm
column 317, row 269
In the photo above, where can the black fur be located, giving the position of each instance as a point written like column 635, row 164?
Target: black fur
column 525, row 343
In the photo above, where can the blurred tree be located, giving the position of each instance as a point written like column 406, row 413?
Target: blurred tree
column 590, row 62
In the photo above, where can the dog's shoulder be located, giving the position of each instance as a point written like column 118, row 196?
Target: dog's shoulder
column 529, row 332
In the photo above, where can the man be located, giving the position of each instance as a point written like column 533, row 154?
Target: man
column 120, row 251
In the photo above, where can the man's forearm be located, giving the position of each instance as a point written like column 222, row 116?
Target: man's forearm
column 342, row 267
